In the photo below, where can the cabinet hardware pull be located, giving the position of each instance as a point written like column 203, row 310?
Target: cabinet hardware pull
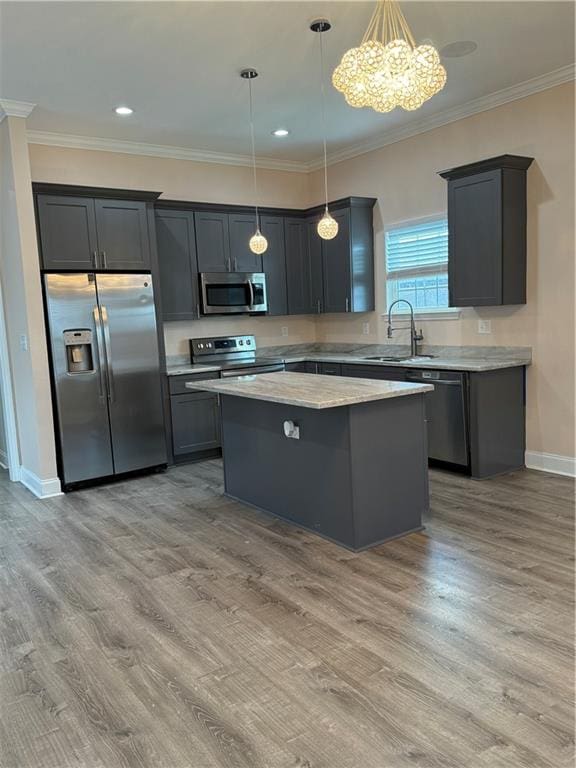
column 318, row 307
column 104, row 260
column 95, row 259
column 347, row 304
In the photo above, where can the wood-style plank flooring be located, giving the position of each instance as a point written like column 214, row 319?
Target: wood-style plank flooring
column 154, row 623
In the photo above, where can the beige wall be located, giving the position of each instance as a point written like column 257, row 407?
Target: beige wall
column 403, row 177
column 23, row 310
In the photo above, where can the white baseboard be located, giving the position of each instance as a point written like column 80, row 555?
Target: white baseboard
column 551, row 462
column 43, row 489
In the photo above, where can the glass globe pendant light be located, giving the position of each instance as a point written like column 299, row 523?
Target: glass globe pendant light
column 327, row 226
column 258, row 243
column 388, row 69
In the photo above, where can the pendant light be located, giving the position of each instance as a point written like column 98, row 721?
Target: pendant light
column 258, row 243
column 327, row 226
column 388, row 69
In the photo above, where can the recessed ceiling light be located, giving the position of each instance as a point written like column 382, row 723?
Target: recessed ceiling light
column 458, row 48
column 123, row 111
column 280, row 132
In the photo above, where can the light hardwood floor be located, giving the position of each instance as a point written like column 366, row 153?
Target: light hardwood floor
column 155, row 623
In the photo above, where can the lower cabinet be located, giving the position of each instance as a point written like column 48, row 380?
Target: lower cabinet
column 330, row 369
column 195, row 420
column 388, row 373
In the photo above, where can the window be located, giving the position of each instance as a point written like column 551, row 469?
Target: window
column 417, row 264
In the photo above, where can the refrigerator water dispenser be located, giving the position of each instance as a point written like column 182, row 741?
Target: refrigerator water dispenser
column 79, row 357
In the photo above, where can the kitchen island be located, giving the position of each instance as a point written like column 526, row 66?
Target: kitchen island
column 344, row 457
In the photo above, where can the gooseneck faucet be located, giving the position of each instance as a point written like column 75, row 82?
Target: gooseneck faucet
column 415, row 336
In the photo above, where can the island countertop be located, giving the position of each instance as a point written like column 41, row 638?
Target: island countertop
column 307, row 391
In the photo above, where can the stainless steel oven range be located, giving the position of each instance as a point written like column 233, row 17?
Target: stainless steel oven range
column 236, row 355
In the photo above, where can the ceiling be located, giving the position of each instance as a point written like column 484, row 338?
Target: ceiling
column 176, row 64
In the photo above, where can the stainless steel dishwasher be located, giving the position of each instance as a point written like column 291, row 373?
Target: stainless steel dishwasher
column 446, row 414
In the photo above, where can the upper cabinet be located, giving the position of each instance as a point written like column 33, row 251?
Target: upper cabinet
column 213, row 241
column 177, row 265
column 343, row 268
column 80, row 230
column 242, row 227
column 274, row 264
column 487, row 232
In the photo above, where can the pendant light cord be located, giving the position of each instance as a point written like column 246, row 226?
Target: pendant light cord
column 253, row 154
column 323, row 116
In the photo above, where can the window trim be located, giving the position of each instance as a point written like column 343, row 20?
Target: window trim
column 426, row 313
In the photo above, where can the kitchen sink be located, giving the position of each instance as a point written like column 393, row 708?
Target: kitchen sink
column 382, row 359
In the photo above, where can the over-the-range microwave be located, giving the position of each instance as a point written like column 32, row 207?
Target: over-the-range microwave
column 228, row 293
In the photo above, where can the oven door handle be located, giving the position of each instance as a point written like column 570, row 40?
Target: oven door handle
column 251, row 289
column 251, row 371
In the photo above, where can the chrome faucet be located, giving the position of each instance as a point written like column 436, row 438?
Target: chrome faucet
column 415, row 336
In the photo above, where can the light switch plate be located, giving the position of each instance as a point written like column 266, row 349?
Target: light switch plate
column 23, row 342
column 484, row 326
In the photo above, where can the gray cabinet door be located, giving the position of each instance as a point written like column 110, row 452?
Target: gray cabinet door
column 242, row 227
column 195, row 422
column 337, row 266
column 302, row 367
column 298, row 273
column 123, row 238
column 315, row 244
column 475, row 240
column 177, row 265
column 274, row 265
column 212, row 242
column 67, row 227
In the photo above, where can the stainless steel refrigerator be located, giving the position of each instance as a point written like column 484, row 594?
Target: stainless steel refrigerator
column 106, row 374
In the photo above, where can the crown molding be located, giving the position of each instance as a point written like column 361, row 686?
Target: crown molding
column 415, row 127
column 482, row 104
column 11, row 108
column 160, row 150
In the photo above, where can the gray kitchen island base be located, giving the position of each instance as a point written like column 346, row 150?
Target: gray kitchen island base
column 357, row 475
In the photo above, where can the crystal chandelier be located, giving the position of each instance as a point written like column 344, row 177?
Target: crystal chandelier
column 257, row 243
column 388, row 69
column 327, row 227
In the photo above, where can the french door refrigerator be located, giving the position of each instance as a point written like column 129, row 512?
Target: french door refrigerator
column 106, row 374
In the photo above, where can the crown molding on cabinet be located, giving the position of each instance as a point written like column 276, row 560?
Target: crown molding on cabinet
column 11, row 108
column 482, row 104
column 71, row 141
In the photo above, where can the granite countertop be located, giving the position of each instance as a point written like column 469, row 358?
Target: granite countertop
column 436, row 363
column 307, row 391
column 444, row 358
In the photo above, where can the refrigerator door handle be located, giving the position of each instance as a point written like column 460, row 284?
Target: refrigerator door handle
column 109, row 370
column 101, row 356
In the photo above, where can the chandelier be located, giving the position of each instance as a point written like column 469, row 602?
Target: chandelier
column 388, row 69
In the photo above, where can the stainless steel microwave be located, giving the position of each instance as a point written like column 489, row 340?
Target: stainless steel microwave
column 233, row 293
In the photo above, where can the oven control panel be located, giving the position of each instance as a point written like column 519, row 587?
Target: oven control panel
column 222, row 345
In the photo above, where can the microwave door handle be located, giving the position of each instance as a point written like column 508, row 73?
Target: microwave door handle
column 251, row 289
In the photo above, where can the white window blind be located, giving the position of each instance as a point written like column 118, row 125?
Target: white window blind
column 417, row 264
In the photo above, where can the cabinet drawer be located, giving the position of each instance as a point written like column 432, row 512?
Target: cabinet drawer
column 374, row 372
column 330, row 369
column 302, row 367
column 178, row 383
column 195, row 422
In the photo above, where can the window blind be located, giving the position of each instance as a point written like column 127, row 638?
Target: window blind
column 413, row 247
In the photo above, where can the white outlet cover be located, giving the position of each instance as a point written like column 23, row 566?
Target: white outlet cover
column 484, row 326
column 366, row 329
column 284, row 330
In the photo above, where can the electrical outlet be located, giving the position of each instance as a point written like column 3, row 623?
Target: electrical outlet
column 366, row 329
column 484, row 326
column 23, row 342
column 284, row 330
